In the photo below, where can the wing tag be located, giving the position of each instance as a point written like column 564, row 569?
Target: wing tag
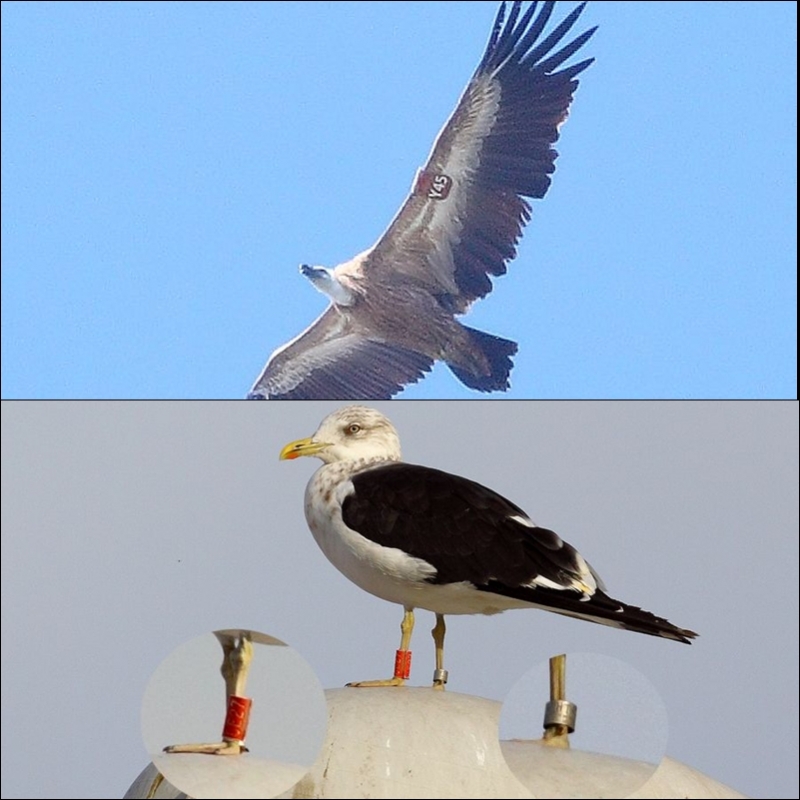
column 432, row 185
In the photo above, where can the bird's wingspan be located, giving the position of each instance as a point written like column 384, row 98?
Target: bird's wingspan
column 467, row 208
column 459, row 226
column 336, row 360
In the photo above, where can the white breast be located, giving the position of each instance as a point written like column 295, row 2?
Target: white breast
column 386, row 572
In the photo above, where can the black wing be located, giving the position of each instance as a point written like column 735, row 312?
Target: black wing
column 468, row 532
column 465, row 530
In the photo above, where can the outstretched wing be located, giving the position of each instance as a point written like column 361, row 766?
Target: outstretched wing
column 336, row 360
column 466, row 211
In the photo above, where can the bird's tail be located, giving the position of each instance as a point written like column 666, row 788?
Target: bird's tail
column 495, row 353
column 598, row 608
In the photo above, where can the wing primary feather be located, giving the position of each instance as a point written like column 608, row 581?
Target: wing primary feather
column 493, row 39
column 570, row 72
column 538, row 26
column 509, row 35
column 527, row 17
column 554, row 38
column 557, row 59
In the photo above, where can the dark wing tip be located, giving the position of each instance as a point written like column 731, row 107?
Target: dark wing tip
column 514, row 40
column 638, row 620
column 497, row 29
column 684, row 635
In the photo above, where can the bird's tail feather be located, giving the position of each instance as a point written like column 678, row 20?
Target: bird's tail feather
column 497, row 353
column 599, row 608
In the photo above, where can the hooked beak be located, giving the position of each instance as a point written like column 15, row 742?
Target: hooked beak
column 302, row 447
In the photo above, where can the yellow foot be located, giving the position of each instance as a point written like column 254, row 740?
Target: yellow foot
column 438, row 685
column 216, row 749
column 370, row 684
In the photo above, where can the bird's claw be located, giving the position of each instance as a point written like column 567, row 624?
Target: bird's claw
column 374, row 684
column 223, row 748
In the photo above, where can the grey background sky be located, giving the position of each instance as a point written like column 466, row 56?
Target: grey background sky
column 129, row 528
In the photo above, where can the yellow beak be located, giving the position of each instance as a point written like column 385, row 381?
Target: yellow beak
column 302, row 447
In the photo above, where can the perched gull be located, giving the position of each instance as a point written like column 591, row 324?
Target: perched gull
column 424, row 538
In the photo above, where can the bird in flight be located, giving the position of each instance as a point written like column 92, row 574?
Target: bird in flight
column 393, row 309
column 423, row 538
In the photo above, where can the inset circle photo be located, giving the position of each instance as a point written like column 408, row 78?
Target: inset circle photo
column 234, row 713
column 620, row 728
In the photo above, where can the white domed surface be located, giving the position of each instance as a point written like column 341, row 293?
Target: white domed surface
column 419, row 743
column 556, row 773
column 408, row 743
column 673, row 779
column 203, row 776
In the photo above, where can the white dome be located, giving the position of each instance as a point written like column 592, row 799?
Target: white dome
column 403, row 742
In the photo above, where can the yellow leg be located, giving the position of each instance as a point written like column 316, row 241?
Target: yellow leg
column 440, row 673
column 237, row 655
column 403, row 663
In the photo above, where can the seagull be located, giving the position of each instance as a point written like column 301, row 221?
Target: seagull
column 393, row 309
column 424, row 538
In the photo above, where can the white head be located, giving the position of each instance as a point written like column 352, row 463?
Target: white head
column 352, row 433
column 326, row 281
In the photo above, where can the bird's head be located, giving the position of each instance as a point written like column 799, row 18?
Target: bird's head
column 352, row 433
column 324, row 280
column 315, row 274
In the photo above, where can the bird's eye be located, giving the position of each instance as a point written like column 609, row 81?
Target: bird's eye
column 354, row 428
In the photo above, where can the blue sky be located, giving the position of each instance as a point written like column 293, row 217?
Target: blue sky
column 166, row 167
